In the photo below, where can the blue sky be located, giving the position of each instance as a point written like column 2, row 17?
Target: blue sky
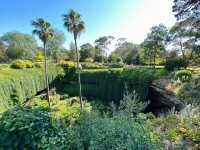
column 131, row 19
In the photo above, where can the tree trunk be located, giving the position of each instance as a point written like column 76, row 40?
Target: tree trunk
column 154, row 59
column 102, row 61
column 46, row 74
column 182, row 51
column 79, row 73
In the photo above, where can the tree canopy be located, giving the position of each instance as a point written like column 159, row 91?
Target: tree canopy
column 24, row 43
column 102, row 43
column 186, row 9
column 56, row 44
column 87, row 51
column 154, row 44
column 128, row 52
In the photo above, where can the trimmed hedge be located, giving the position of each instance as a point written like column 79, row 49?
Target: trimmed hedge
column 18, row 85
column 109, row 84
column 21, row 64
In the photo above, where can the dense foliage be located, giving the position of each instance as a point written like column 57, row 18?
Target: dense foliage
column 189, row 92
column 21, row 64
column 23, row 84
column 175, row 63
column 36, row 127
column 179, row 130
column 20, row 45
column 109, row 84
column 181, row 76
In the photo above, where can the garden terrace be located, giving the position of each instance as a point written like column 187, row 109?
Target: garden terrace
column 18, row 85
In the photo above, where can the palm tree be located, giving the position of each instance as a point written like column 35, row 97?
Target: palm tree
column 74, row 24
column 44, row 31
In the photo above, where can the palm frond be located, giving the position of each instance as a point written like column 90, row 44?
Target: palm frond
column 73, row 22
column 43, row 29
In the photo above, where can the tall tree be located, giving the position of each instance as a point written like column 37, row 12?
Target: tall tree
column 87, row 52
column 186, row 34
column 44, row 31
column 103, row 43
column 55, row 45
column 75, row 25
column 154, row 44
column 127, row 51
column 3, row 56
column 186, row 9
column 25, row 44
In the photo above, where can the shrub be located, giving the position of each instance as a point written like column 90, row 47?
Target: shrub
column 39, row 56
column 189, row 92
column 95, row 132
column 131, row 104
column 64, row 112
column 93, row 66
column 115, row 65
column 21, row 64
column 18, row 64
column 119, row 60
column 89, row 60
column 35, row 127
column 180, row 128
column 29, row 64
column 182, row 76
column 175, row 63
column 23, row 128
column 67, row 64
column 38, row 65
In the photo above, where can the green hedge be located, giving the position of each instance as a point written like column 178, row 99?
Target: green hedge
column 109, row 84
column 18, row 85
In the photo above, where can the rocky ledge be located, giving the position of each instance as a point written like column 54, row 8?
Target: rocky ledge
column 162, row 97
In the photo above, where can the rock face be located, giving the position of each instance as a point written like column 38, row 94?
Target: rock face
column 162, row 97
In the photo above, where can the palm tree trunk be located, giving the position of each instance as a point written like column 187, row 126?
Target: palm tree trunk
column 46, row 74
column 154, row 61
column 79, row 73
column 102, row 56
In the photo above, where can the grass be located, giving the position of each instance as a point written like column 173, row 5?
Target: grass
column 6, row 72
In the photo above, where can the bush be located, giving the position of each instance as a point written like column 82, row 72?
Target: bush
column 99, row 133
column 115, row 65
column 23, row 128
column 38, row 65
column 65, row 112
column 175, row 63
column 131, row 105
column 93, row 66
column 89, row 60
column 39, row 56
column 21, row 64
column 182, row 76
column 181, row 129
column 29, row 64
column 35, row 127
column 18, row 64
column 67, row 64
column 189, row 92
